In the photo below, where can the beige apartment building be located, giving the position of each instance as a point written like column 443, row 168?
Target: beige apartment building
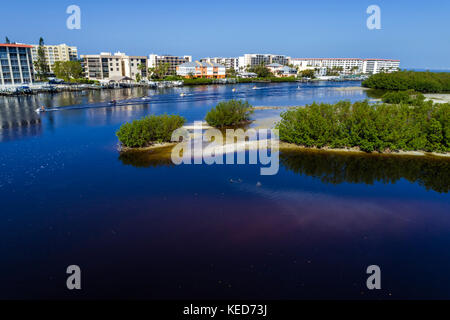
column 54, row 53
column 107, row 66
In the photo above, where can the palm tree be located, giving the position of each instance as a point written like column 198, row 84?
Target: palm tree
column 141, row 67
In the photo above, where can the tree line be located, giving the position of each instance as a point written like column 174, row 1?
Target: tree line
column 426, row 82
column 407, row 126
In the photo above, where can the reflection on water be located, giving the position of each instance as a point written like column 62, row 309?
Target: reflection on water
column 18, row 112
column 432, row 173
column 145, row 159
column 429, row 172
column 217, row 232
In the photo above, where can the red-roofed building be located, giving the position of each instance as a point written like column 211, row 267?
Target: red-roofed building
column 16, row 64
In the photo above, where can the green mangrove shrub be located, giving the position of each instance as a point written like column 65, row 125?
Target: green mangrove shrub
column 408, row 97
column 149, row 130
column 229, row 113
column 410, row 80
column 379, row 127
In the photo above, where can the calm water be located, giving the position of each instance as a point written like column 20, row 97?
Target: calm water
column 141, row 228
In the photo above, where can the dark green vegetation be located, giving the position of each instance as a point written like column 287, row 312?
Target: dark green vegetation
column 262, row 71
column 198, row 81
column 410, row 80
column 41, row 64
column 68, row 70
column 407, row 97
column 429, row 172
column 149, row 130
column 229, row 113
column 379, row 127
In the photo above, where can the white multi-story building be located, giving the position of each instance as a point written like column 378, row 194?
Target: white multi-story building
column 229, row 63
column 173, row 61
column 105, row 66
column 348, row 65
column 16, row 66
column 250, row 60
column 374, row 66
column 55, row 53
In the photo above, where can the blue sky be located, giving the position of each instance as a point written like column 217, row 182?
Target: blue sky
column 417, row 32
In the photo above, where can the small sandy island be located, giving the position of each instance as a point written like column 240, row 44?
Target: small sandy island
column 270, row 123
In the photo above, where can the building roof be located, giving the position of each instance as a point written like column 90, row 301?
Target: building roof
column 15, row 45
column 200, row 64
column 287, row 69
column 119, row 78
column 275, row 65
column 188, row 65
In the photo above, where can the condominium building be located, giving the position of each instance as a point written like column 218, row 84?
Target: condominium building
column 55, row 53
column 348, row 65
column 107, row 66
column 229, row 63
column 374, row 66
column 201, row 70
column 250, row 60
column 173, row 61
column 16, row 64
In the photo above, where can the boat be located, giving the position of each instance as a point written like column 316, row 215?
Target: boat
column 182, row 94
column 255, row 87
column 234, row 90
column 40, row 109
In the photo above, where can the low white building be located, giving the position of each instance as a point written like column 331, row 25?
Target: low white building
column 282, row 71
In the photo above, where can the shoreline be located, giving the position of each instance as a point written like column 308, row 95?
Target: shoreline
column 286, row 146
column 33, row 88
column 356, row 150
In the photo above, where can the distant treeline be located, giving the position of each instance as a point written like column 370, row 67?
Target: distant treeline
column 426, row 82
column 416, row 125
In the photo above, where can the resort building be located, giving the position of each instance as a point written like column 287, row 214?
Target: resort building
column 374, row 66
column 55, row 53
column 348, row 65
column 281, row 71
column 201, row 70
column 105, row 66
column 250, row 60
column 173, row 61
column 16, row 64
column 229, row 63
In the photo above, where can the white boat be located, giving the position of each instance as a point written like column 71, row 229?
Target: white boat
column 182, row 94
column 255, row 87
column 234, row 90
